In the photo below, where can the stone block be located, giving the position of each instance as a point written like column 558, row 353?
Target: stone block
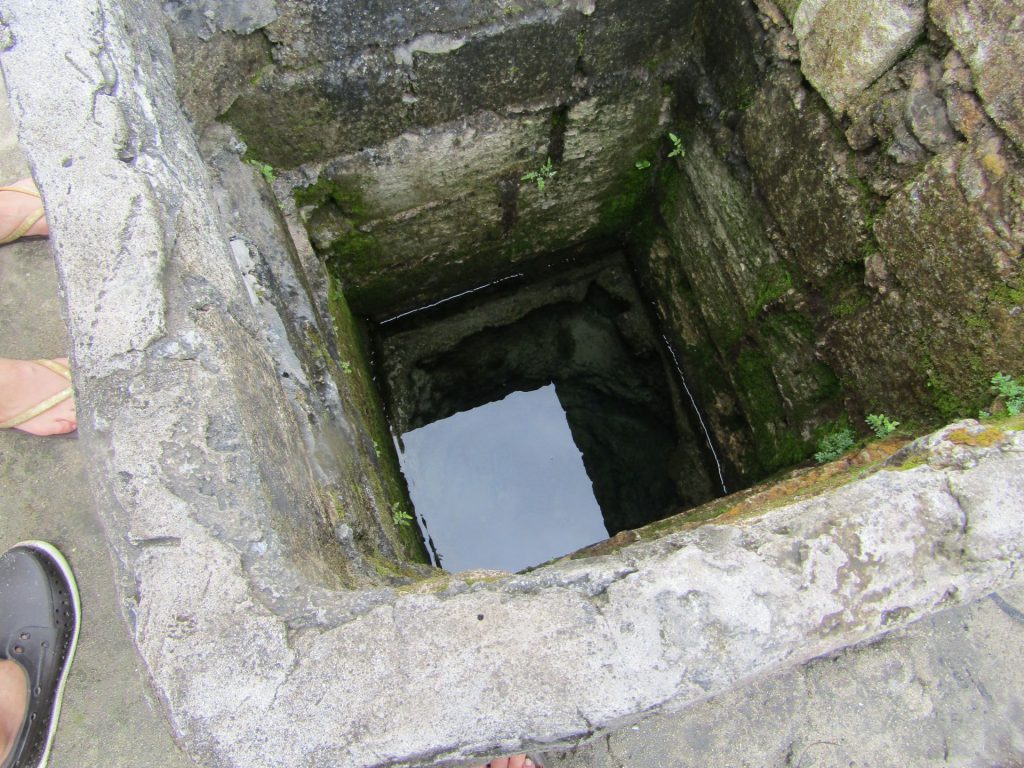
column 310, row 34
column 213, row 72
column 846, row 45
column 288, row 119
column 524, row 64
column 802, row 166
column 899, row 121
column 620, row 34
column 424, row 221
column 990, row 37
column 950, row 272
column 719, row 236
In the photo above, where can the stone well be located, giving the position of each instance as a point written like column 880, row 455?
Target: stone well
column 235, row 188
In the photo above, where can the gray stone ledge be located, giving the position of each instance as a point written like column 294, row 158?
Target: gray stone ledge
column 207, row 494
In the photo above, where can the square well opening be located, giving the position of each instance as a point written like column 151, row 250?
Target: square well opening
column 540, row 414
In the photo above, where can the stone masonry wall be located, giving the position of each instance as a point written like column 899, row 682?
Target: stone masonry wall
column 231, row 566
column 405, row 131
column 915, row 169
column 845, row 232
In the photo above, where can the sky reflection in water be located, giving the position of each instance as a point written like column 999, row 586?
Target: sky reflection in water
column 502, row 486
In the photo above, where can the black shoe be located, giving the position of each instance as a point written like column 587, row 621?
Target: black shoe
column 39, row 619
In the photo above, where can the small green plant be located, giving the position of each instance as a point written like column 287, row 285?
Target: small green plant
column 263, row 168
column 677, row 146
column 643, row 165
column 376, row 449
column 881, row 424
column 542, row 175
column 983, row 414
column 399, row 516
column 834, row 445
column 1012, row 392
column 346, row 366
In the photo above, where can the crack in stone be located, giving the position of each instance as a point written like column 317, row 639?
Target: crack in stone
column 964, row 515
column 155, row 541
column 1006, row 608
column 616, row 760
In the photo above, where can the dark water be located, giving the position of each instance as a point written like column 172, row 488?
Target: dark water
column 534, row 422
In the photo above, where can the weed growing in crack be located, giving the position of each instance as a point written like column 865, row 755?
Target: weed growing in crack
column 881, row 424
column 834, row 445
column 677, row 146
column 399, row 516
column 266, row 170
column 542, row 175
column 1011, row 390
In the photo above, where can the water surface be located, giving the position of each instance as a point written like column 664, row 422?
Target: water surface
column 502, row 486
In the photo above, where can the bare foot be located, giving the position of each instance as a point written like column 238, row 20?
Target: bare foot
column 25, row 384
column 13, row 704
column 517, row 761
column 17, row 208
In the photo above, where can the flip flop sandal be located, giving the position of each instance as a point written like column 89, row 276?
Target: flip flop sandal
column 29, row 220
column 39, row 623
column 49, row 402
column 536, row 762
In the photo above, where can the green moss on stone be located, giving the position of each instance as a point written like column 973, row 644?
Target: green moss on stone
column 986, row 438
column 1008, row 295
column 355, row 253
column 619, row 209
column 345, row 193
column 361, row 395
column 773, row 283
column 945, row 400
column 776, row 445
column 850, row 305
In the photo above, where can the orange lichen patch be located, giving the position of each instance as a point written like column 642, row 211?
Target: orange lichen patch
column 606, row 547
column 805, row 483
column 795, row 486
column 994, row 164
column 984, row 439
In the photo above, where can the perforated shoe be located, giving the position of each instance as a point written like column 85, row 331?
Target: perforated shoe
column 39, row 622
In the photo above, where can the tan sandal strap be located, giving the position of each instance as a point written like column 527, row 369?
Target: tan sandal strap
column 61, row 370
column 29, row 220
column 23, row 191
column 36, row 410
column 58, row 368
column 24, row 227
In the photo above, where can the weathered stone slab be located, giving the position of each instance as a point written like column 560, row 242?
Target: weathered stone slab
column 803, row 168
column 845, row 46
column 948, row 689
column 320, row 81
column 443, row 210
column 990, row 37
column 527, row 63
column 228, row 558
column 949, row 281
column 759, row 347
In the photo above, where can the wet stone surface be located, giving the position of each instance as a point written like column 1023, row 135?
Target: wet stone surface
column 536, row 417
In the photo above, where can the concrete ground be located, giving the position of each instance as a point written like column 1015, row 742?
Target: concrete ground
column 109, row 719
column 944, row 691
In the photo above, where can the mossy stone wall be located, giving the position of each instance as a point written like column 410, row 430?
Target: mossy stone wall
column 831, row 244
